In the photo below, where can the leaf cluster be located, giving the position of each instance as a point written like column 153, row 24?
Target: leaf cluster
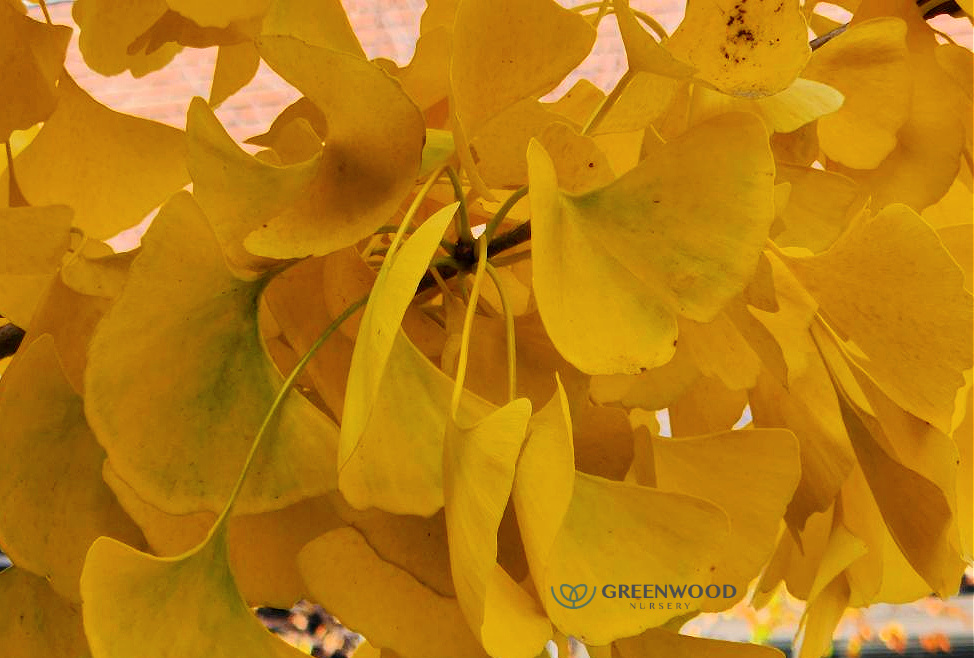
column 440, row 344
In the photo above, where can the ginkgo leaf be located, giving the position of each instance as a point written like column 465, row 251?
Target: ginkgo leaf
column 323, row 24
column 70, row 318
column 504, row 52
column 798, row 104
column 32, row 240
column 753, row 498
column 109, row 28
column 197, row 325
column 868, row 64
column 820, row 619
column 206, row 14
column 388, row 379
column 884, row 283
column 235, row 67
column 117, row 576
column 32, row 54
column 478, row 473
column 237, row 191
column 507, row 51
column 820, row 206
column 614, row 267
column 36, row 621
column 706, row 406
column 47, row 529
column 382, row 601
column 373, row 145
column 745, row 48
column 569, row 521
column 643, row 51
column 111, row 168
column 418, row 545
column 262, row 546
column 897, row 480
column 657, row 641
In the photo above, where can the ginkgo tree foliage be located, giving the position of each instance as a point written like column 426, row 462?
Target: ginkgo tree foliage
column 406, row 352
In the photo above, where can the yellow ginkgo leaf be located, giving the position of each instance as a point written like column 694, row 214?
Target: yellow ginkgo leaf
column 96, row 270
column 820, row 206
column 658, row 641
column 821, row 617
column 884, row 283
column 415, row 544
column 236, row 65
column 208, row 14
column 395, row 396
column 746, row 48
column 643, row 51
column 34, row 239
column 903, row 479
column 32, row 54
column 614, row 267
column 47, row 530
column 237, row 191
column 810, row 408
column 964, row 438
column 507, row 51
column 197, row 325
column 478, row 473
column 373, row 143
column 655, row 388
column 753, row 498
column 111, row 168
column 36, row 621
column 706, row 406
column 70, row 318
column 222, row 624
column 720, row 351
column 324, row 24
column 501, row 142
column 868, row 64
column 800, row 103
column 262, row 546
column 504, row 52
column 382, row 601
column 570, row 521
column 109, row 28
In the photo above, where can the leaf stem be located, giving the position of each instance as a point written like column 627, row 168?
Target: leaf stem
column 501, row 213
column 279, row 401
column 464, row 355
column 463, row 228
column 407, row 220
column 607, row 103
column 509, row 330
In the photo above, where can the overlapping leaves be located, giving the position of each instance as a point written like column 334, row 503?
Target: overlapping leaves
column 742, row 228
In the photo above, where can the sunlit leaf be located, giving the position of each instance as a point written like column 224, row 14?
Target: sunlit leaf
column 197, row 325
column 868, row 285
column 742, row 47
column 36, row 621
column 33, row 240
column 112, row 169
column 371, row 154
column 382, row 601
column 47, row 529
column 568, row 520
column 32, row 54
column 614, row 267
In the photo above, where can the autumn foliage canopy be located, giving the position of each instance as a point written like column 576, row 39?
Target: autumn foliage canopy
column 407, row 353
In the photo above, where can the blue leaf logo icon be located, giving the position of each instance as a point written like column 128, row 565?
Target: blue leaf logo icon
column 573, row 597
